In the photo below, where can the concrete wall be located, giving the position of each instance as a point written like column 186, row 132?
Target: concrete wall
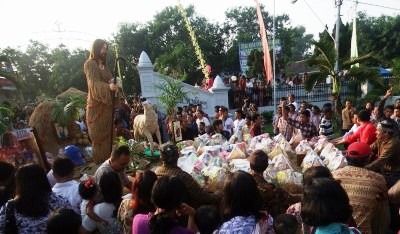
column 218, row 94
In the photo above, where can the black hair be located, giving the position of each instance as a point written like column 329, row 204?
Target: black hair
column 202, row 123
column 169, row 154
column 306, row 113
column 7, row 171
column 325, row 202
column 241, row 196
column 286, row 224
column 258, row 161
column 364, row 115
column 87, row 190
column 283, row 99
column 63, row 167
column 32, row 191
column 286, row 108
column 390, row 107
column 110, row 186
column 240, row 112
column 317, row 108
column 255, row 116
column 326, row 110
column 357, row 162
column 119, row 151
column 64, row 221
column 316, row 172
column 168, row 193
column 217, row 122
column 207, row 219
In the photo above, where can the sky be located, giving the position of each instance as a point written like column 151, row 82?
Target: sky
column 77, row 23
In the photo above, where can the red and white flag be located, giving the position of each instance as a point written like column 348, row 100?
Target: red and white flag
column 263, row 33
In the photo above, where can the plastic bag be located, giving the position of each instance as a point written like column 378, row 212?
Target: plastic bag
column 216, row 177
column 311, row 160
column 303, row 147
column 235, row 154
column 239, row 164
column 187, row 162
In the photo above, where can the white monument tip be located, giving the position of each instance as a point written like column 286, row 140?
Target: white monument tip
column 144, row 60
column 218, row 83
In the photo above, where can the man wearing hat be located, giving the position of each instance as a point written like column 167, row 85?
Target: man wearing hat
column 366, row 189
column 386, row 159
column 72, row 152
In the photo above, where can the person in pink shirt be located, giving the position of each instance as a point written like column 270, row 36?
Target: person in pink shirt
column 365, row 133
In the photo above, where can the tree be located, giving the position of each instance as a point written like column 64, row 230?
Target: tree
column 325, row 56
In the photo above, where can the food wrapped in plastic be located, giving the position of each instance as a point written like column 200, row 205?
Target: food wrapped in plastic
column 338, row 162
column 284, row 144
column 217, row 139
column 239, row 164
column 236, row 153
column 278, row 138
column 216, row 161
column 198, row 177
column 329, row 151
column 311, row 160
column 303, row 147
column 281, row 162
column 184, row 144
column 214, row 150
column 188, row 149
column 296, row 138
column 270, row 174
column 216, row 177
column 322, row 142
column 247, row 138
column 290, row 181
column 276, row 151
column 187, row 162
column 205, row 158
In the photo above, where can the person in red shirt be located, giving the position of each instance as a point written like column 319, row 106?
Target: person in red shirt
column 365, row 133
column 255, row 129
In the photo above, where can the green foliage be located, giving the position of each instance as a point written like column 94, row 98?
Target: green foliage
column 267, row 115
column 65, row 111
column 255, row 64
column 5, row 115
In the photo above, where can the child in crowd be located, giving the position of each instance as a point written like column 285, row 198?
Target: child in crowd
column 326, row 126
column 88, row 190
column 110, row 187
column 207, row 219
column 64, row 221
column 63, row 170
column 286, row 224
column 202, row 128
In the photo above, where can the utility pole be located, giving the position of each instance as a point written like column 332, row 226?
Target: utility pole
column 338, row 3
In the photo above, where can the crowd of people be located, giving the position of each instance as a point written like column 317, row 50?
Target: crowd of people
column 361, row 197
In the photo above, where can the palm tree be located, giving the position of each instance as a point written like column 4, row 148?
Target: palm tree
column 324, row 56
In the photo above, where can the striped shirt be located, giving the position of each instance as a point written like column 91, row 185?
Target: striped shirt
column 326, row 128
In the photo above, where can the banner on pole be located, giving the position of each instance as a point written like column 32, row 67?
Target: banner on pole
column 246, row 47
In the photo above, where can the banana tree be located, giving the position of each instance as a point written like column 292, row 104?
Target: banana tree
column 324, row 57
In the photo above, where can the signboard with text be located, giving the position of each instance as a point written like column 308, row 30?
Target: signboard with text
column 246, row 47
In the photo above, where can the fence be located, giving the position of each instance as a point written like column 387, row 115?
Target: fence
column 263, row 96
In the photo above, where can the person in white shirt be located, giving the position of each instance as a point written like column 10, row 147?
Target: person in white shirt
column 63, row 169
column 72, row 152
column 239, row 122
column 291, row 100
column 226, row 121
column 110, row 186
column 200, row 118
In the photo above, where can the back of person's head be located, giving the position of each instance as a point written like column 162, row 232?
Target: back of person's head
column 63, row 167
column 327, row 110
column 168, row 193
column 286, row 224
column 64, row 221
column 258, row 161
column 216, row 123
column 241, row 196
column 325, row 202
column 32, row 191
column 119, row 151
column 7, row 171
column 364, row 115
column 110, row 186
column 207, row 219
column 316, row 172
column 255, row 117
column 141, row 192
column 169, row 153
column 87, row 189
